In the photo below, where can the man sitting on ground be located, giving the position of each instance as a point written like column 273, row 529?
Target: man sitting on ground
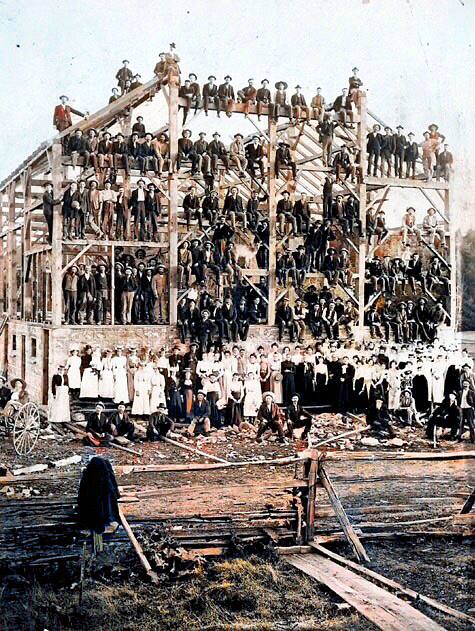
column 159, row 424
column 270, row 417
column 379, row 419
column 297, row 418
column 200, row 415
column 98, row 428
column 120, row 422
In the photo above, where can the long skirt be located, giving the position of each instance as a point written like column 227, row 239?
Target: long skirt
column 106, row 384
column 121, row 387
column 233, row 413
column 288, row 387
column 59, row 411
column 89, row 385
column 276, row 385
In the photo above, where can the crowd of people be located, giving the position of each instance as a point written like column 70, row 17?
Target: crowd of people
column 140, row 290
column 274, row 388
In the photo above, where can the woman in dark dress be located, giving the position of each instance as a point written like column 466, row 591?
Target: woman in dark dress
column 321, row 380
column 420, row 389
column 174, row 401
column 308, row 379
column 234, row 416
column 288, row 376
column 265, row 373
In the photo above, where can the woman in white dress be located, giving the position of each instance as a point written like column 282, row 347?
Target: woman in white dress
column 163, row 361
column 106, row 380
column 252, row 397
column 90, row 377
column 142, row 388
column 73, row 370
column 229, row 364
column 157, row 396
column 253, row 365
column 119, row 372
column 437, row 381
column 59, row 410
column 393, row 378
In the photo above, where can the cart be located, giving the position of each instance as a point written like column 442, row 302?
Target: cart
column 24, row 423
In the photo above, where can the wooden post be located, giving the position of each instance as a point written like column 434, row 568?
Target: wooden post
column 172, row 205
column 272, row 219
column 112, row 265
column 455, row 276
column 3, row 254
column 363, row 200
column 312, row 470
column 350, row 534
column 27, row 261
column 57, row 249
column 11, row 253
column 138, row 548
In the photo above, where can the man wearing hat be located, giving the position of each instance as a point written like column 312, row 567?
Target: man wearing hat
column 210, row 206
column 388, row 148
column 400, row 144
column 263, row 97
column 297, row 418
column 203, row 159
column 102, row 293
column 255, row 156
column 280, row 101
column 379, row 418
column 94, row 207
column 161, row 67
column 92, row 145
column 444, row 164
column 77, row 147
column 467, row 407
column 409, row 226
column 200, row 415
column 160, row 293
column 196, row 91
column 226, row 96
column 374, row 143
column 70, row 294
column 105, row 148
column 326, row 129
column 205, row 331
column 49, row 202
column 270, row 417
column 447, row 415
column 129, row 288
column 210, row 94
column 122, row 229
column 218, row 151
column 342, row 106
column 115, row 95
column 98, row 428
column 234, row 208
column 152, row 211
column 119, row 149
column 411, row 153
column 237, row 154
column 247, row 96
column 302, row 214
column 283, row 157
column 70, row 208
column 62, row 114
column 186, row 92
column 428, row 156
column 137, row 204
column 191, row 204
column 318, row 105
column 186, row 151
column 284, row 318
column 123, row 75
column 159, row 424
column 138, row 127
column 121, row 424
column 147, row 159
column 298, row 103
column 285, row 214
column 136, row 83
column 161, row 147
column 354, row 85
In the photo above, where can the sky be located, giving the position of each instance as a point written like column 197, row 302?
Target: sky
column 416, row 59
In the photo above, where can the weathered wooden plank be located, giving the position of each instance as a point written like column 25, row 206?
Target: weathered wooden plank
column 386, row 611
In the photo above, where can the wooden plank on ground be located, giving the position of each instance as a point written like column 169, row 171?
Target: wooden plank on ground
column 386, row 611
column 387, row 582
column 341, row 515
column 138, row 548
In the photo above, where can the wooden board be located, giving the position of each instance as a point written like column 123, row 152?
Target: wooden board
column 386, row 611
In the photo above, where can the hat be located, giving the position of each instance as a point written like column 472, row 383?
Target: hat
column 201, row 392
column 202, row 133
column 193, row 344
column 387, row 128
column 377, row 126
column 101, row 405
column 434, row 126
column 399, row 127
column 228, row 77
column 264, row 81
column 186, row 131
column 240, row 135
column 192, row 74
column 281, row 83
column 216, row 133
column 410, row 133
column 63, row 96
column 355, row 69
column 268, row 394
column 73, row 267
column 211, row 76
column 298, row 87
column 13, row 382
column 295, row 396
column 138, row 181
column 161, row 265
column 205, row 311
column 125, row 61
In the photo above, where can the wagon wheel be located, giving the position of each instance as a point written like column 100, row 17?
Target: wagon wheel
column 26, row 429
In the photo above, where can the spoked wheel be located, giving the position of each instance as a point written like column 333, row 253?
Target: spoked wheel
column 26, row 429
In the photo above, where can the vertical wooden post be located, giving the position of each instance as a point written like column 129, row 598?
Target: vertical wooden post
column 311, row 471
column 272, row 129
column 57, row 249
column 27, row 285
column 3, row 254
column 112, row 265
column 11, row 253
column 172, row 204
column 455, row 276
column 363, row 201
